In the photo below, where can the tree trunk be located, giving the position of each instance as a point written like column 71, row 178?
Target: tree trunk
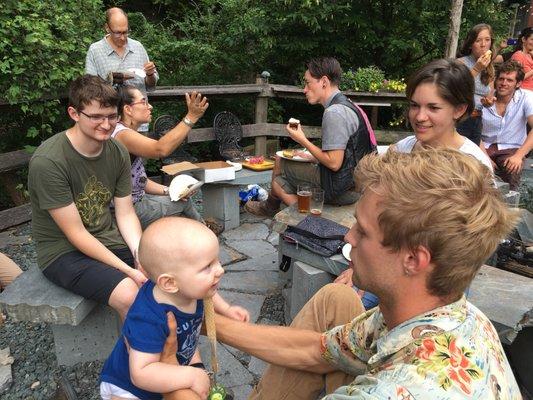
column 453, row 33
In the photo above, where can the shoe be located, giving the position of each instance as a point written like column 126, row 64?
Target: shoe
column 214, row 225
column 260, row 208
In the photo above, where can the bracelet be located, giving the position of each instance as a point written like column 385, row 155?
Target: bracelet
column 188, row 122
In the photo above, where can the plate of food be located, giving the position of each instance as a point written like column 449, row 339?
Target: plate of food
column 291, row 154
column 258, row 163
column 182, row 186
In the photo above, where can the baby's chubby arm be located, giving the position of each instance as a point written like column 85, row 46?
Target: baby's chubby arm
column 234, row 312
column 148, row 373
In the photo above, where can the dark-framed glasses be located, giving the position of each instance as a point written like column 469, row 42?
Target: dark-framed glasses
column 98, row 118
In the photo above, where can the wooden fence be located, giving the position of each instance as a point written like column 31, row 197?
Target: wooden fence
column 261, row 129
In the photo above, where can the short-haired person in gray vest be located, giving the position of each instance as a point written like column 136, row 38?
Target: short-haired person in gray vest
column 117, row 52
column 346, row 138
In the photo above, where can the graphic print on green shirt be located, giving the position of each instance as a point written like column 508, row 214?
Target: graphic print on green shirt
column 92, row 202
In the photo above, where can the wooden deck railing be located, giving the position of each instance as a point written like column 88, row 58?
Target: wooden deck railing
column 260, row 130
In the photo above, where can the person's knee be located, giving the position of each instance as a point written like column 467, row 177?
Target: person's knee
column 335, row 293
column 123, row 296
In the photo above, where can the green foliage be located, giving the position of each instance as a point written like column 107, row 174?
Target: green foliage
column 42, row 46
column 367, row 79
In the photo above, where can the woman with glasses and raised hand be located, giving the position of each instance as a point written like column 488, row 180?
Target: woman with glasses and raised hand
column 150, row 199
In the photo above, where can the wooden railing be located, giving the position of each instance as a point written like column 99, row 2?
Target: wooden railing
column 260, row 130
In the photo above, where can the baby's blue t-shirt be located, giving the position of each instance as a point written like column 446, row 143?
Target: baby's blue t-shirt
column 146, row 330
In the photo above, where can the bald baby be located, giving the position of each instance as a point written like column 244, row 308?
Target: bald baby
column 174, row 242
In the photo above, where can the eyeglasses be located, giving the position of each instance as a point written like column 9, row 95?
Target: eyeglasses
column 119, row 34
column 144, row 101
column 98, row 119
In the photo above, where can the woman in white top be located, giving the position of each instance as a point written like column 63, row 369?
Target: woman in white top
column 440, row 94
column 151, row 199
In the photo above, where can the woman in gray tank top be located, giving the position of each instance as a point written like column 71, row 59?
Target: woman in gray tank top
column 475, row 55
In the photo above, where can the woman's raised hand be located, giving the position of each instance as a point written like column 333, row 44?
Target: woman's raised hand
column 196, row 105
column 483, row 62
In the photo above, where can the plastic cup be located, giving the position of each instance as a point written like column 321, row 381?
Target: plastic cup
column 304, row 193
column 317, row 201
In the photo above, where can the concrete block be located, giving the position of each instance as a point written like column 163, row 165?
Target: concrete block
column 6, row 378
column 91, row 340
column 306, row 282
column 512, row 198
column 32, row 297
column 504, row 297
column 222, row 202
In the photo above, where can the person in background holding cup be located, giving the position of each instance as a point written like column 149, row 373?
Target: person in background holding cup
column 524, row 48
column 476, row 54
column 117, row 52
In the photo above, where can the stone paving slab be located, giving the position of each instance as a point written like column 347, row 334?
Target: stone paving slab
column 257, row 366
column 252, row 302
column 258, row 231
column 267, row 262
column 252, row 248
column 256, row 282
column 241, row 392
column 231, row 372
column 227, row 255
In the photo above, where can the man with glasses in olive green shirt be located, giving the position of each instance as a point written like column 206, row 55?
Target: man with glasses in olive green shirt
column 117, row 52
column 73, row 176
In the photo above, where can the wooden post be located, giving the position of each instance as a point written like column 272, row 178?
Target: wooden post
column 453, row 32
column 374, row 116
column 261, row 115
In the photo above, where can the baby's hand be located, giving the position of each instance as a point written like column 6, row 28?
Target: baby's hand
column 238, row 313
column 201, row 383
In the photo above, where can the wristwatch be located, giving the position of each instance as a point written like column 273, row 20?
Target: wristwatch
column 188, row 122
column 165, row 190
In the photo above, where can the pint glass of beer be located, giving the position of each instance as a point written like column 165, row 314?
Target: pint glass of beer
column 304, row 197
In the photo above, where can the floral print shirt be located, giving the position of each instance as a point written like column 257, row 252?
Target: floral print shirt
column 452, row 352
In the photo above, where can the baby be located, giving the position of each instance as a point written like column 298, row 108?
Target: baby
column 180, row 258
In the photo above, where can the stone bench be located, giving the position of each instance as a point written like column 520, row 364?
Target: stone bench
column 83, row 330
column 505, row 297
column 221, row 199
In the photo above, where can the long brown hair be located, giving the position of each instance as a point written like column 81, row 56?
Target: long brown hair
column 487, row 75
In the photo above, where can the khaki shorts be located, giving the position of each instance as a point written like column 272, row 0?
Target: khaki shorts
column 294, row 173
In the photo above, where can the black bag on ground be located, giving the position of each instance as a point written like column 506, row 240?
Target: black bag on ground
column 317, row 234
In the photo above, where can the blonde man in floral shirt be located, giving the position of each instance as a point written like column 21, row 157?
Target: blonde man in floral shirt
column 425, row 224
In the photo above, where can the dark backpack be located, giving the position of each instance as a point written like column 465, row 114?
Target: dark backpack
column 338, row 186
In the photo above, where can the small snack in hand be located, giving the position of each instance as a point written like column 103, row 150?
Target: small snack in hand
column 488, row 54
column 289, row 153
column 293, row 123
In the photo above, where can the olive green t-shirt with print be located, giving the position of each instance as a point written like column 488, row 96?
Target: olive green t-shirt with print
column 58, row 176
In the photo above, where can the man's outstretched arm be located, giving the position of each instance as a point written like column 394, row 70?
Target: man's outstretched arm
column 285, row 346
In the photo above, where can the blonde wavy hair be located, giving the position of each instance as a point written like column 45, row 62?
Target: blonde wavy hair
column 444, row 200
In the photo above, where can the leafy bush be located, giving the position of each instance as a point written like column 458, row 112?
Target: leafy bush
column 367, row 79
column 43, row 46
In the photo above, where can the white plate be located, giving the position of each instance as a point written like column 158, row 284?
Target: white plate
column 182, row 185
column 346, row 251
column 295, row 158
column 236, row 165
column 138, row 71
